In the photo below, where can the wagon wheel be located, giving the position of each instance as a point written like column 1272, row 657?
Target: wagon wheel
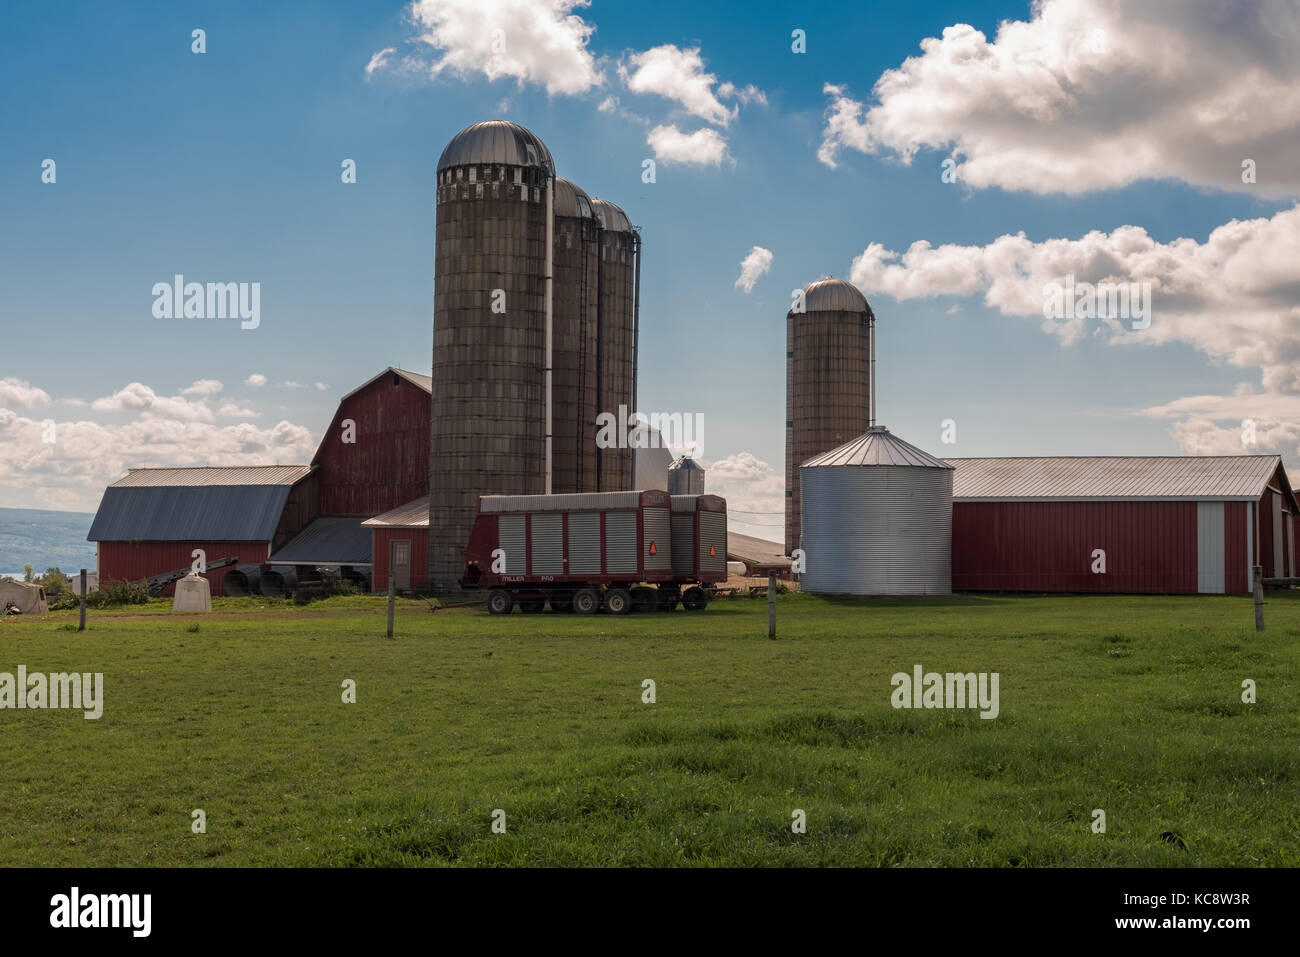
column 645, row 598
column 500, row 602
column 586, row 601
column 695, row 599
column 618, row 601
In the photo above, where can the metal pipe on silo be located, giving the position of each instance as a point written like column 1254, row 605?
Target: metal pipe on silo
column 550, row 272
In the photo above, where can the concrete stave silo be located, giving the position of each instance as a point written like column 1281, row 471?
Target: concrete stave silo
column 489, row 401
column 828, row 381
column 877, row 519
column 617, row 331
column 574, row 358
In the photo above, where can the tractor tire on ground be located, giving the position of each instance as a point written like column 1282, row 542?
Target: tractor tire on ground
column 500, row 601
column 618, row 601
column 586, row 601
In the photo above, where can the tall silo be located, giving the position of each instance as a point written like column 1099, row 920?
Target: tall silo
column 574, row 358
column 491, row 299
column 877, row 519
column 828, row 375
column 620, row 284
column 685, row 477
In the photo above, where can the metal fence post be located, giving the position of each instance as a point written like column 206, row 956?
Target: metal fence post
column 82, row 627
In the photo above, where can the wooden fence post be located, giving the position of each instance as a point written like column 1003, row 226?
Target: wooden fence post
column 390, row 603
column 1259, row 598
column 771, row 604
column 83, row 601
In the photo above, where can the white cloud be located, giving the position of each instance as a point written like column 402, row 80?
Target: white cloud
column 532, row 41
column 1233, row 297
column 679, row 75
column 756, row 264
column 704, row 147
column 747, row 94
column 255, row 381
column 1095, row 94
column 230, row 410
column 609, row 104
column 22, row 394
column 290, row 384
column 1217, row 424
column 138, row 397
column 203, row 387
column 754, row 491
column 379, row 60
column 71, row 473
column 321, row 387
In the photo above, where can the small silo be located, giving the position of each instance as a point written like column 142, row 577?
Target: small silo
column 577, row 274
column 828, row 378
column 493, row 251
column 877, row 519
column 685, row 477
column 616, row 334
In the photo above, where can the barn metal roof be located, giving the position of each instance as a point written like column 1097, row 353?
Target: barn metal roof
column 209, row 476
column 193, row 513
column 833, row 295
column 876, row 446
column 572, row 200
column 416, row 379
column 411, row 515
column 327, row 541
column 755, row 552
column 528, row 503
column 611, row 216
column 496, row 141
column 1219, row 477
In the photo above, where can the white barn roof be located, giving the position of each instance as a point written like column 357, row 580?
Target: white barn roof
column 1183, row 477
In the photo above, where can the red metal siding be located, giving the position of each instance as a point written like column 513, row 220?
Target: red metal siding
column 1048, row 546
column 302, row 506
column 129, row 561
column 1236, row 581
column 382, row 539
column 388, row 465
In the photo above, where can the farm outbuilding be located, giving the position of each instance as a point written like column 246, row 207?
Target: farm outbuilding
column 27, row 597
column 399, row 543
column 1174, row 525
column 152, row 520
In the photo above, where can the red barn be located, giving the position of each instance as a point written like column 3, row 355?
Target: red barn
column 1181, row 525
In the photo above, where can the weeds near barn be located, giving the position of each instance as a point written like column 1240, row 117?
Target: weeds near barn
column 542, row 717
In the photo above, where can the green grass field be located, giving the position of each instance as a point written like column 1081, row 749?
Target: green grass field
column 1130, row 705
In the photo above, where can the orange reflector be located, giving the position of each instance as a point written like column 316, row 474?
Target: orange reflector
column 712, row 551
column 653, row 550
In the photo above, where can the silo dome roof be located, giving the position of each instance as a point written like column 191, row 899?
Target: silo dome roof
column 612, row 216
column 833, row 295
column 572, row 200
column 877, row 446
column 496, row 141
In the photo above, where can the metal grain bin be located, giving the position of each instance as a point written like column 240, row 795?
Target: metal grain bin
column 574, row 356
column 616, row 335
column 827, row 381
column 877, row 519
column 488, row 431
column 685, row 477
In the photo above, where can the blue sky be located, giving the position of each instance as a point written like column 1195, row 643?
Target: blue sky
column 225, row 166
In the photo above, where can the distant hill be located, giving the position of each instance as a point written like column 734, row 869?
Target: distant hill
column 44, row 539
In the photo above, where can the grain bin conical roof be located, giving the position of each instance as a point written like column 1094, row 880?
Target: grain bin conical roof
column 876, row 446
column 496, row 141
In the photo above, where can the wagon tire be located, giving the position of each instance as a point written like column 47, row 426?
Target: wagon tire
column 618, row 601
column 645, row 598
column 695, row 599
column 500, row 601
column 586, row 601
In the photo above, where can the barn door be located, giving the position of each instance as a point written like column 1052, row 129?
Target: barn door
column 400, row 564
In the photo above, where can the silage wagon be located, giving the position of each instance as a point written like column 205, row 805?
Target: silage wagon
column 617, row 551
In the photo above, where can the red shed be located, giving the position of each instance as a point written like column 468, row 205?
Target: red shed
column 1177, row 524
column 400, row 542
